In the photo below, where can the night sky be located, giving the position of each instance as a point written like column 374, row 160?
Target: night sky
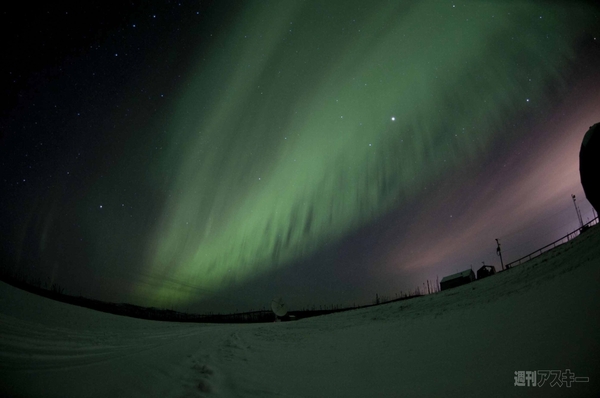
column 211, row 156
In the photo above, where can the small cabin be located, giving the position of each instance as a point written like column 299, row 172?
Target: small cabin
column 485, row 271
column 460, row 278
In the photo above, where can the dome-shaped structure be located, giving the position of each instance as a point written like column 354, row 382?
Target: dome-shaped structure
column 589, row 164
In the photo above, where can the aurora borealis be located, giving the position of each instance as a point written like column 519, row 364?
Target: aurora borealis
column 202, row 156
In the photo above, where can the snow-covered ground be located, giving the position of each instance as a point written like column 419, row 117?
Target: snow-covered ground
column 468, row 341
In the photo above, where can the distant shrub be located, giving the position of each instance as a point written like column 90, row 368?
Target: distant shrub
column 55, row 288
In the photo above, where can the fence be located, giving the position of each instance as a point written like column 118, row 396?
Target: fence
column 552, row 245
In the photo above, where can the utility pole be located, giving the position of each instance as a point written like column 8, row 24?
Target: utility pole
column 578, row 212
column 499, row 252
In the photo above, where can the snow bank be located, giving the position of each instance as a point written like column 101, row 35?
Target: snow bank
column 466, row 341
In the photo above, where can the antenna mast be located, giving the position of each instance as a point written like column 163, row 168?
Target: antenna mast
column 578, row 212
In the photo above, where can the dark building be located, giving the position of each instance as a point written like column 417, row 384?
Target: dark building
column 485, row 271
column 458, row 279
column 589, row 164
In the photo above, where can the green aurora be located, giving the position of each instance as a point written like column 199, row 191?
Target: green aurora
column 302, row 122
